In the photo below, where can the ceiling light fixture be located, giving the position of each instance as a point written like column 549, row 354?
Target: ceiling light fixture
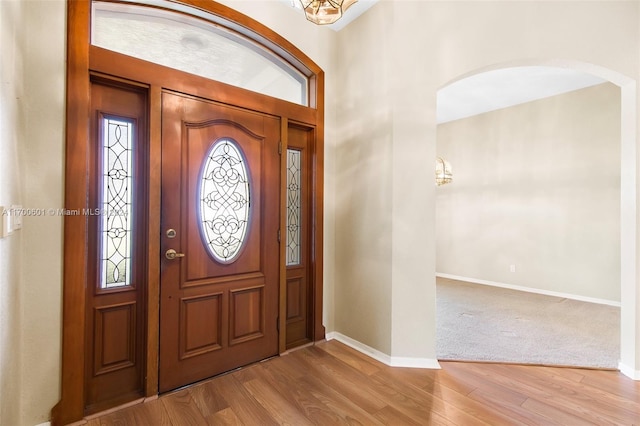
column 325, row 12
column 443, row 172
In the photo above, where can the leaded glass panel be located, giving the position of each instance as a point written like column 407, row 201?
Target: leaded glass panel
column 293, row 207
column 224, row 200
column 115, row 208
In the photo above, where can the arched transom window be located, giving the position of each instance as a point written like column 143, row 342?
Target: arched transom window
column 196, row 46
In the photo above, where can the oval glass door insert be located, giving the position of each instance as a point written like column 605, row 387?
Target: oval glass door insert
column 224, row 200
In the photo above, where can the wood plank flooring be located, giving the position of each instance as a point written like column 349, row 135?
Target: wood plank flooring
column 332, row 384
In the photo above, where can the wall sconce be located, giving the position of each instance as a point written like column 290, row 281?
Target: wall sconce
column 324, row 12
column 443, row 172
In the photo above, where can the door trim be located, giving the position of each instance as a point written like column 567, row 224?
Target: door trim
column 83, row 61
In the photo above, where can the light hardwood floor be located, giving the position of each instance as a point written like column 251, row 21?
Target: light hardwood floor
column 332, row 384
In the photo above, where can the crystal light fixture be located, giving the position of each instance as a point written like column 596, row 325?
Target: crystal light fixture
column 443, row 172
column 324, row 12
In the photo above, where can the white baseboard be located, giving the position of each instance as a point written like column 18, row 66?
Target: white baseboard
column 44, row 424
column 392, row 361
column 531, row 290
column 629, row 372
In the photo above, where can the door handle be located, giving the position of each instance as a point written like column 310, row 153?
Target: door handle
column 172, row 254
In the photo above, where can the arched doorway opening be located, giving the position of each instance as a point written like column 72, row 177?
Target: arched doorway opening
column 628, row 147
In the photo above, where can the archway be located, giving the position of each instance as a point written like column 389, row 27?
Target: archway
column 628, row 169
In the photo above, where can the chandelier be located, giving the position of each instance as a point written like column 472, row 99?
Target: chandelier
column 443, row 172
column 324, row 12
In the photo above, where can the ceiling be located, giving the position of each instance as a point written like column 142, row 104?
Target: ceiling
column 352, row 13
column 507, row 87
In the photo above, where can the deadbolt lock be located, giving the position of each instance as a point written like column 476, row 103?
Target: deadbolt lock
column 171, row 233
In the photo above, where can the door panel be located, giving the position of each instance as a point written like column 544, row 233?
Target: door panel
column 216, row 315
column 116, row 267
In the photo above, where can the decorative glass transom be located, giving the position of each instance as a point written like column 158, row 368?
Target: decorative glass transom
column 193, row 45
column 225, row 200
column 293, row 207
column 115, row 203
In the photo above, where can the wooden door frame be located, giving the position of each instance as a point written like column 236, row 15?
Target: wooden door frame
column 85, row 61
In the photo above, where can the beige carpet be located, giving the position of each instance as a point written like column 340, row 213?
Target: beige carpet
column 482, row 323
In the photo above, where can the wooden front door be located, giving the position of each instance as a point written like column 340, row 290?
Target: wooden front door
column 219, row 244
column 215, row 315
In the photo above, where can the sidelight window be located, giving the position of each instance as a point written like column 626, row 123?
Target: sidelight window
column 293, row 207
column 115, row 204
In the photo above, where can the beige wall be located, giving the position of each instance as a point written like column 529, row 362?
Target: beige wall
column 31, row 174
column 11, row 132
column 42, row 152
column 536, row 186
column 363, row 175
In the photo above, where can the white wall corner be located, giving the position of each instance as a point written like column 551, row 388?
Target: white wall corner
column 629, row 371
column 392, row 361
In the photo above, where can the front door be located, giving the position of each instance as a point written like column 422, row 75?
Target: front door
column 219, row 244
